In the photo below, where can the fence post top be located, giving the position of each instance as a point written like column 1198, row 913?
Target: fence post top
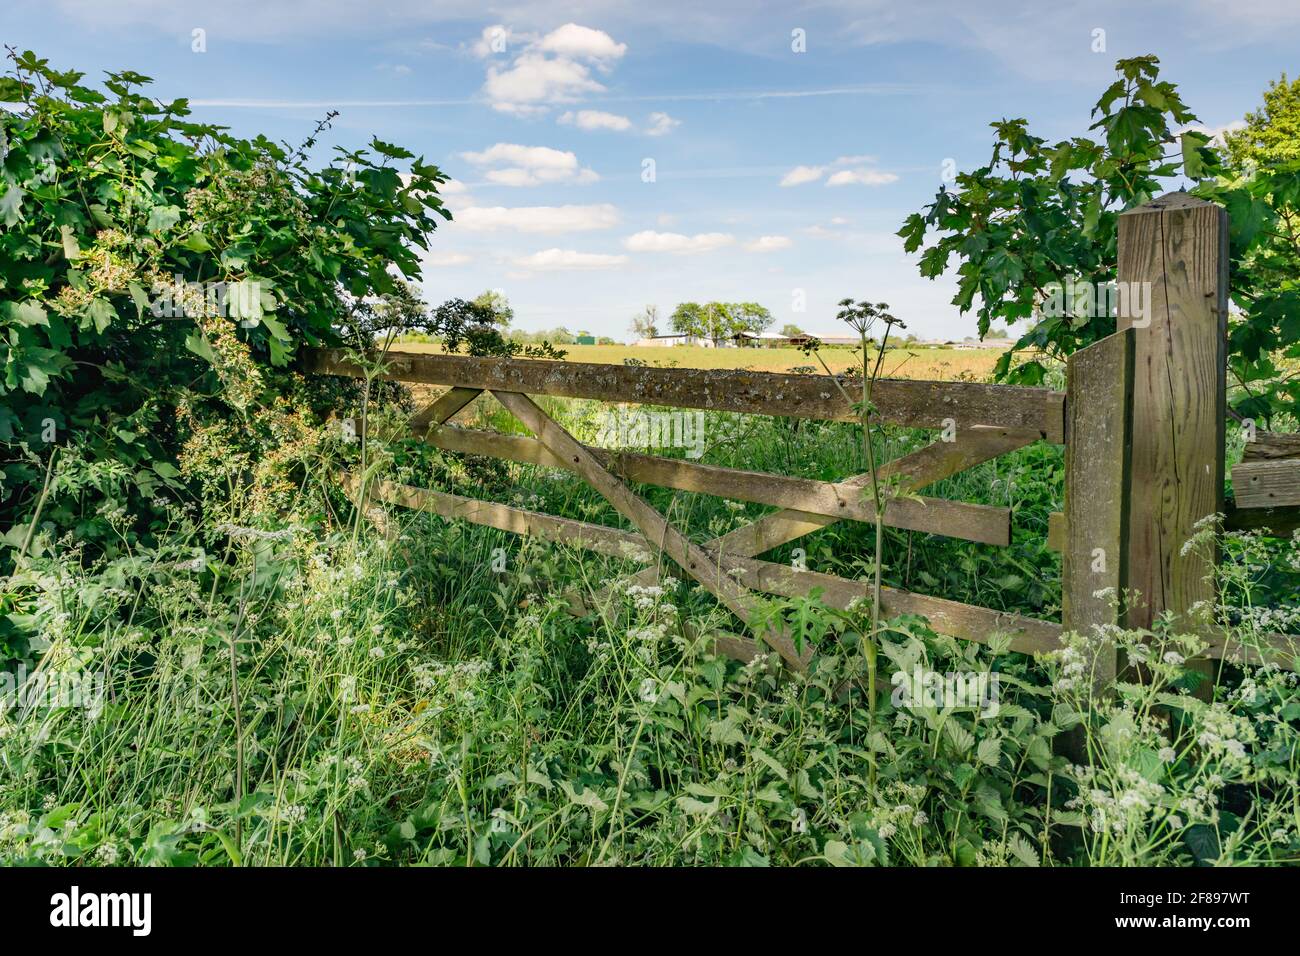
column 1170, row 201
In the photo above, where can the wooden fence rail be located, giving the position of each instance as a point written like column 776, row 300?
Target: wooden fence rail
column 1141, row 419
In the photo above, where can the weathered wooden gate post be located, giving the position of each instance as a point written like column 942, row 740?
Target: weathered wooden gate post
column 1098, row 429
column 1173, row 284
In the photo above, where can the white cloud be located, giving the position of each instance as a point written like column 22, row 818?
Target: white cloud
column 676, row 243
column 536, row 80
column 595, row 119
column 810, row 174
column 572, row 40
column 530, row 165
column 803, row 174
column 543, row 219
column 661, row 124
column 453, row 187
column 562, row 260
column 769, row 244
column 864, row 177
column 443, row 260
column 495, row 40
column 548, row 70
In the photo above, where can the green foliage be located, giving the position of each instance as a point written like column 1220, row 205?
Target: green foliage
column 720, row 321
column 1041, row 213
column 400, row 704
column 494, row 304
column 1271, row 133
column 1040, row 216
column 144, row 255
column 476, row 327
column 1264, row 276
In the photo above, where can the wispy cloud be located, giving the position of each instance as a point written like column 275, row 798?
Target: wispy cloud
column 443, row 260
column 595, row 120
column 661, row 124
column 839, row 174
column 677, row 243
column 769, row 244
column 543, row 219
column 567, row 260
column 517, row 165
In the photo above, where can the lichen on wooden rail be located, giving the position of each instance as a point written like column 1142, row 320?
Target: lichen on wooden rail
column 914, row 404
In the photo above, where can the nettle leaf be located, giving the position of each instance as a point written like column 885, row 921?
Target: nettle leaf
column 588, row 798
column 162, row 218
column 197, row 344
column 71, row 249
column 101, row 314
column 140, row 298
column 28, row 313
column 11, row 203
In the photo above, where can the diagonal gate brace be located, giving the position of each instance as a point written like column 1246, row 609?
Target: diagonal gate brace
column 693, row 559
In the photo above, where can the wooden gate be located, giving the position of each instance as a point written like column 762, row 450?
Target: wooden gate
column 1141, row 418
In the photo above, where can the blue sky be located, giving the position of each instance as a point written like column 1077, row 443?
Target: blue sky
column 780, row 176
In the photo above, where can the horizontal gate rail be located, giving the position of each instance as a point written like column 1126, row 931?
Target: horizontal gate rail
column 983, row 523
column 913, row 404
column 965, row 621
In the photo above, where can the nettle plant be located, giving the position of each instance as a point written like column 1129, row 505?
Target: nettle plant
column 1040, row 216
column 146, row 259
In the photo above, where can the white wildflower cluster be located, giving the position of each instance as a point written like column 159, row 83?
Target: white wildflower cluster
column 107, row 854
column 656, row 615
column 900, row 807
column 13, row 824
column 1225, row 734
column 649, row 690
column 1282, row 620
column 448, row 684
column 292, row 813
column 1073, row 667
column 354, row 768
column 1201, row 804
column 1119, row 801
column 755, row 667
column 648, row 599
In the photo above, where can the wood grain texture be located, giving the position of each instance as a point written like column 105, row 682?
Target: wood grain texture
column 1096, row 521
column 814, row 499
column 1056, row 531
column 1267, row 483
column 1268, row 446
column 1175, row 248
column 914, row 404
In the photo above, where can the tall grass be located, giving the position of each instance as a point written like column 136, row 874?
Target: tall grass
column 307, row 691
